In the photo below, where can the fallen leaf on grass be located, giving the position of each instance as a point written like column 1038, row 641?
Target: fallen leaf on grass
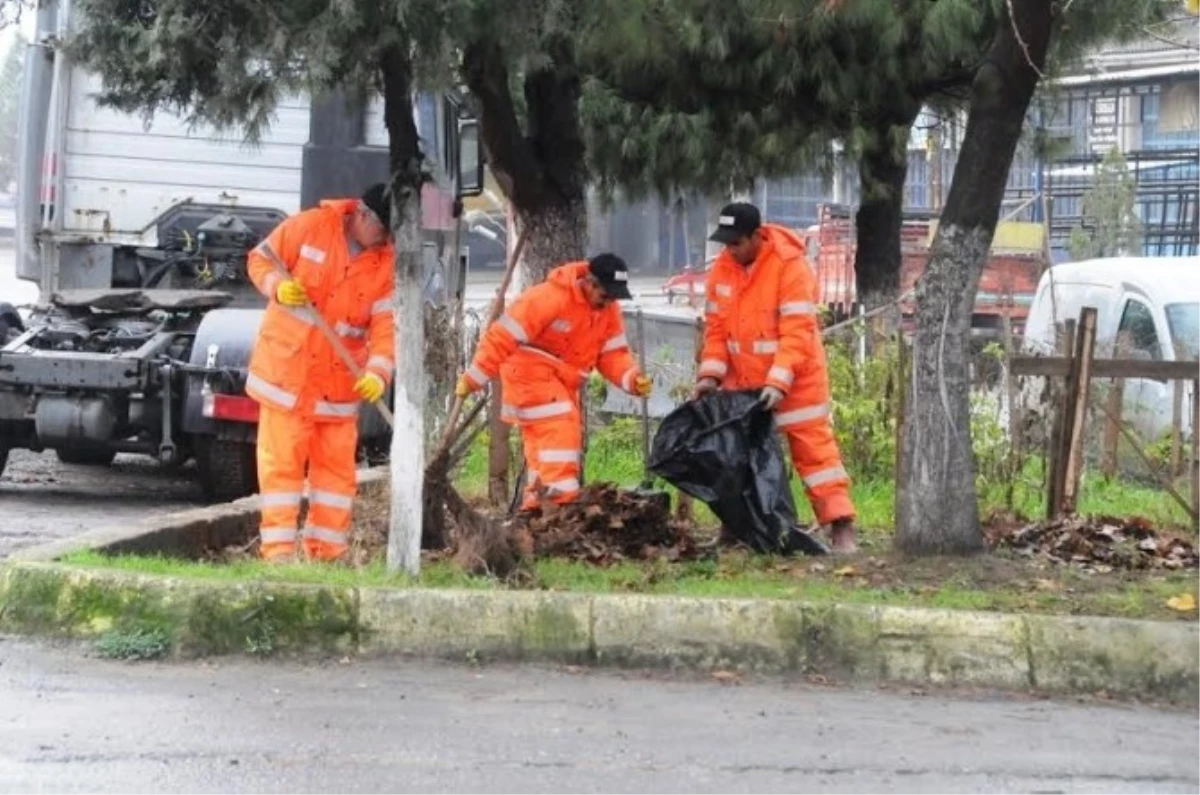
column 845, row 571
column 1183, row 603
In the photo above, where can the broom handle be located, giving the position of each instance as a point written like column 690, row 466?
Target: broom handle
column 452, row 432
column 330, row 335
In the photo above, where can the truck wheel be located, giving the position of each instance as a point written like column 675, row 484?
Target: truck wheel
column 228, row 470
column 86, row 456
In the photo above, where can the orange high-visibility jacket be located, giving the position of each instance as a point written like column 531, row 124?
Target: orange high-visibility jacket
column 293, row 366
column 761, row 322
column 546, row 345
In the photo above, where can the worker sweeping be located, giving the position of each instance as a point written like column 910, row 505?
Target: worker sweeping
column 340, row 262
column 543, row 348
column 761, row 332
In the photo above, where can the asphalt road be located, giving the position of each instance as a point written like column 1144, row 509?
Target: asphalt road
column 42, row 499
column 71, row 724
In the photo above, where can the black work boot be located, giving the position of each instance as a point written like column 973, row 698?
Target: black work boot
column 843, row 537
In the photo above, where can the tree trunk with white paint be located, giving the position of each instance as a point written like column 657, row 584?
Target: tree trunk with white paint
column 408, row 434
column 937, row 510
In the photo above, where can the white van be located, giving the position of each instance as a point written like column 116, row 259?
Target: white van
column 1155, row 299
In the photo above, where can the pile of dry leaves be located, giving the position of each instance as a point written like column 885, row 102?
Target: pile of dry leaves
column 1098, row 543
column 607, row 525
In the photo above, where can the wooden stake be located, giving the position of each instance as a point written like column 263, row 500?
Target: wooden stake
column 1079, row 386
column 1014, row 416
column 1113, row 415
column 1177, row 425
column 1196, row 446
column 1055, row 460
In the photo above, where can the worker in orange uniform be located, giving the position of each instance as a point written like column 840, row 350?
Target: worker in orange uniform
column 761, row 332
column 543, row 348
column 340, row 262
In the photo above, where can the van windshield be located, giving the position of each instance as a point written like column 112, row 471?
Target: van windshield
column 1184, row 322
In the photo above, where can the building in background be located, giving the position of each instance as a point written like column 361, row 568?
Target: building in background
column 1142, row 98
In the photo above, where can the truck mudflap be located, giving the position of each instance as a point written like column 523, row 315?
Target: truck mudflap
column 216, row 403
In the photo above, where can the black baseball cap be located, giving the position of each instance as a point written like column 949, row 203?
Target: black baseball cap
column 737, row 220
column 378, row 200
column 613, row 275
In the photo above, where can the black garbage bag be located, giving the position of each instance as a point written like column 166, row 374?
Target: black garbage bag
column 723, row 449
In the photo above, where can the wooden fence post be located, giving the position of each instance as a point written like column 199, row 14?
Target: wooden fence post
column 1196, row 445
column 1014, row 412
column 1055, row 460
column 1079, row 388
column 1177, row 430
column 1114, row 414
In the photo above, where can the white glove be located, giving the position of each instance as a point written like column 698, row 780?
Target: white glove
column 770, row 397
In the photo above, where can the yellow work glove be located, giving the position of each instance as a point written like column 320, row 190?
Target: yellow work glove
column 643, row 386
column 464, row 387
column 291, row 293
column 369, row 387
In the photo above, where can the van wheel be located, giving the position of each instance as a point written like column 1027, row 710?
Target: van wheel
column 228, row 470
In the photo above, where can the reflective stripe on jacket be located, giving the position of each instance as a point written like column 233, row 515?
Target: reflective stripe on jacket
column 548, row 342
column 761, row 321
column 293, row 367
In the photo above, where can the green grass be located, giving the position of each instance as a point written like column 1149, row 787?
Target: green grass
column 993, row 582
column 614, row 455
column 990, row 583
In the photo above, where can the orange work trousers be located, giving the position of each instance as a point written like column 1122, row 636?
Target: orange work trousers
column 288, row 444
column 553, row 448
column 804, row 418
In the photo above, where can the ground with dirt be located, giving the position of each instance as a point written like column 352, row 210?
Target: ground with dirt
column 618, row 541
column 42, row 499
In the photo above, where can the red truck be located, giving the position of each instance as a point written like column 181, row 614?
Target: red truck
column 1007, row 286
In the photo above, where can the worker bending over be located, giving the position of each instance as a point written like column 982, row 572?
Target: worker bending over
column 340, row 263
column 761, row 332
column 543, row 349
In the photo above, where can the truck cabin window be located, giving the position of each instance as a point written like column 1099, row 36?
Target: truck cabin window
column 1183, row 321
column 1138, row 324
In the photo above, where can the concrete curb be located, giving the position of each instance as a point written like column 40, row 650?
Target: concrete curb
column 1140, row 659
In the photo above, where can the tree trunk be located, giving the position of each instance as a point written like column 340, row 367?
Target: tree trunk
column 877, row 224
column 936, row 506
column 540, row 168
column 557, row 234
column 408, row 434
column 880, row 216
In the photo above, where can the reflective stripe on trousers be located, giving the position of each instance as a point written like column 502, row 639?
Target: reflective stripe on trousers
column 289, row 443
column 552, row 452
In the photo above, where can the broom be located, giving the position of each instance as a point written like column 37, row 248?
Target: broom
column 484, row 544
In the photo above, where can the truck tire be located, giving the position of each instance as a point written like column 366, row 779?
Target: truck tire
column 86, row 456
column 228, row 469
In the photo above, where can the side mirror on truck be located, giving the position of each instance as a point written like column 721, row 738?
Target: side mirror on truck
column 470, row 158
